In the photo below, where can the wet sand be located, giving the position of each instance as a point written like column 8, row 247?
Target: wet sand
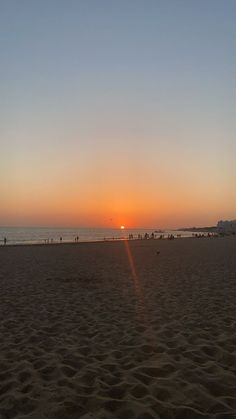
column 116, row 330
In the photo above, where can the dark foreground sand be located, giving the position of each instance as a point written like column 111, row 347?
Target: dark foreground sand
column 114, row 330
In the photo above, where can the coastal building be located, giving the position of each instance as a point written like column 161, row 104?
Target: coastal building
column 226, row 227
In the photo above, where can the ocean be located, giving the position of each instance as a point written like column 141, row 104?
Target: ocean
column 41, row 235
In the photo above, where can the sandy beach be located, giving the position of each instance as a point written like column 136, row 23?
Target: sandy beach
column 139, row 329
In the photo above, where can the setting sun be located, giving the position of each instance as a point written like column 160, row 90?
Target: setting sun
column 122, row 227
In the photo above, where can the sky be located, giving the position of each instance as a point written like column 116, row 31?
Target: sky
column 117, row 112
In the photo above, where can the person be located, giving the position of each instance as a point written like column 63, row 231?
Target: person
column 5, row 240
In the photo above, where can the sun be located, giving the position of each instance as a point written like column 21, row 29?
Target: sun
column 122, row 227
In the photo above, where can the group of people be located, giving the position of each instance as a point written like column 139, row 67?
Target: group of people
column 200, row 235
column 48, row 241
column 152, row 236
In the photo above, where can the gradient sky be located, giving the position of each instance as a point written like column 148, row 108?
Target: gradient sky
column 117, row 112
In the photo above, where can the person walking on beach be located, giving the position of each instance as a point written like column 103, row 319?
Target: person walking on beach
column 5, row 240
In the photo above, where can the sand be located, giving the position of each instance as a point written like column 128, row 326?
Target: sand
column 115, row 330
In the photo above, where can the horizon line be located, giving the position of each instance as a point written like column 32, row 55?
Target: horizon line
column 108, row 228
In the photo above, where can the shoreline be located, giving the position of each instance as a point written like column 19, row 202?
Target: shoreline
column 31, row 236
column 58, row 243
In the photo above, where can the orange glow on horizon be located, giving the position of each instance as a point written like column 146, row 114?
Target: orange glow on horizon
column 113, row 205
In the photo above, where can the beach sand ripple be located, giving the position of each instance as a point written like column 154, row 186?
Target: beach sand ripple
column 110, row 330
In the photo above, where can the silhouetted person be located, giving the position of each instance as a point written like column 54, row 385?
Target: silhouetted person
column 5, row 240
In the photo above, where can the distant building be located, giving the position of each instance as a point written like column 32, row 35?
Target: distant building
column 226, row 227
